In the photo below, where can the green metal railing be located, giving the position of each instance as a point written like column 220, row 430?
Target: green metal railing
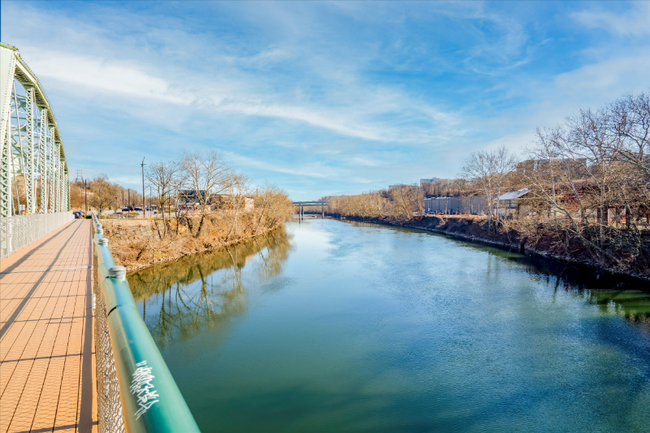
column 150, row 399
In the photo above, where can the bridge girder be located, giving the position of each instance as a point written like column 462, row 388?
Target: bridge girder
column 42, row 158
column 31, row 147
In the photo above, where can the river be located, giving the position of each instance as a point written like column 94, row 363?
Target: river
column 348, row 327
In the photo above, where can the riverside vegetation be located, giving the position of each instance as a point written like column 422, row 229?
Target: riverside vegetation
column 203, row 205
column 588, row 199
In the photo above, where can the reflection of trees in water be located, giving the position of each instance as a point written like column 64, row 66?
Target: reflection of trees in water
column 633, row 304
column 627, row 296
column 181, row 297
column 624, row 295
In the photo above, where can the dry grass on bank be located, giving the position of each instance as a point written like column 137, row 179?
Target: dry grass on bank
column 136, row 244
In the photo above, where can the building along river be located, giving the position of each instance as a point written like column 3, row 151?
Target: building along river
column 349, row 327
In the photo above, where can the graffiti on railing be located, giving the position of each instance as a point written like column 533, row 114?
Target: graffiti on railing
column 142, row 388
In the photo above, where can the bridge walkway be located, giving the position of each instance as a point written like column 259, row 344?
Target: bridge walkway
column 46, row 334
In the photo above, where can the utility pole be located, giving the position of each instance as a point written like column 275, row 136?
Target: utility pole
column 144, row 200
column 85, row 199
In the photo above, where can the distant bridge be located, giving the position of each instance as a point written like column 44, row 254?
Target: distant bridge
column 301, row 207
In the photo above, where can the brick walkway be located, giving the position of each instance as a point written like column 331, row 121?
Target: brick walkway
column 46, row 352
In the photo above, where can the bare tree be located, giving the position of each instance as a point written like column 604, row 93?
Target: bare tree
column 264, row 199
column 238, row 190
column 369, row 205
column 631, row 122
column 489, row 170
column 165, row 178
column 103, row 193
column 582, row 178
column 272, row 207
column 76, row 195
column 406, row 200
column 631, row 118
column 206, row 174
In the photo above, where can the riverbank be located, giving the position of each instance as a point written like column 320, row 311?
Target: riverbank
column 480, row 231
column 138, row 244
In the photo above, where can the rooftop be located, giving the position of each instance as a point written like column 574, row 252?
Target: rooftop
column 514, row 194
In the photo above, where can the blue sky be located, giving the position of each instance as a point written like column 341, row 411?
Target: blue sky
column 322, row 98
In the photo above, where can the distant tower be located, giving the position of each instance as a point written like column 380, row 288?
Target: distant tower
column 80, row 177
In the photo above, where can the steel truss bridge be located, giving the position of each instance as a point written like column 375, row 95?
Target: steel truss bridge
column 79, row 352
column 34, row 176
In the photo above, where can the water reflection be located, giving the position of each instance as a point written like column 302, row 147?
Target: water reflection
column 626, row 296
column 178, row 299
column 629, row 297
column 633, row 304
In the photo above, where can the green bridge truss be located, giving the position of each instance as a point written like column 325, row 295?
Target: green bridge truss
column 34, row 174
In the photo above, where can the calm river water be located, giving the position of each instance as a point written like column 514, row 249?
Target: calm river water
column 349, row 327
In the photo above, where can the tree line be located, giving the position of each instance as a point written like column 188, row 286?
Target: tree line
column 206, row 180
column 214, row 188
column 100, row 194
column 584, row 182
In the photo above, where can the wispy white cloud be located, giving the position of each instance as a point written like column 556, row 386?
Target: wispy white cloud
column 309, row 170
column 611, row 77
column 106, row 75
column 554, row 100
column 332, row 121
column 634, row 22
column 124, row 78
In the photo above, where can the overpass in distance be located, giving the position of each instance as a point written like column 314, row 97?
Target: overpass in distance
column 300, row 207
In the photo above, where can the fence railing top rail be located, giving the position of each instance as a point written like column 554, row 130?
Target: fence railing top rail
column 151, row 400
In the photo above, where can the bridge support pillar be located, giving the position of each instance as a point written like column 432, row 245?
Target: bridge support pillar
column 6, row 174
column 28, row 174
column 51, row 171
column 57, row 177
column 42, row 159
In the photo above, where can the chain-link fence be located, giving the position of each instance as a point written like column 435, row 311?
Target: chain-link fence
column 19, row 231
column 136, row 391
column 109, row 405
